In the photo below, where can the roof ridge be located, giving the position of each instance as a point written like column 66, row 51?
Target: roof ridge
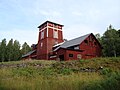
column 79, row 37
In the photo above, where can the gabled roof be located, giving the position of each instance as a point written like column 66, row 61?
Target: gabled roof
column 73, row 42
column 29, row 53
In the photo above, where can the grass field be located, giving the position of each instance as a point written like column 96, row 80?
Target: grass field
column 93, row 74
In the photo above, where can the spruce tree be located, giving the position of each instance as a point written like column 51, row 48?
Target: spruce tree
column 10, row 50
column 25, row 48
column 110, row 42
column 3, row 50
column 16, row 50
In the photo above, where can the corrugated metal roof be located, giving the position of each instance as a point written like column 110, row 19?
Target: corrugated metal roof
column 28, row 53
column 75, row 41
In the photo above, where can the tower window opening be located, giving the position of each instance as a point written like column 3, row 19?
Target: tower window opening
column 55, row 34
column 42, row 34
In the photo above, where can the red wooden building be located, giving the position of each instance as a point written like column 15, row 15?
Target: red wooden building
column 51, row 45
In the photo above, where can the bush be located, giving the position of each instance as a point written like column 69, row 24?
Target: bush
column 109, row 83
column 105, row 71
column 48, row 71
column 65, row 71
column 29, row 72
column 84, row 61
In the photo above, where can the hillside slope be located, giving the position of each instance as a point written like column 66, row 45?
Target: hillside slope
column 77, row 65
column 97, row 73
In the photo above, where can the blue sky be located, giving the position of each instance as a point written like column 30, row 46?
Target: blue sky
column 19, row 19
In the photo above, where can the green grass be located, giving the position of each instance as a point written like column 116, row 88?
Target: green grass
column 54, row 75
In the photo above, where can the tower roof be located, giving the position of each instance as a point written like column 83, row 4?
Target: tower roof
column 50, row 22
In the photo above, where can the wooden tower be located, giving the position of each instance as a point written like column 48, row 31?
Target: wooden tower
column 50, row 34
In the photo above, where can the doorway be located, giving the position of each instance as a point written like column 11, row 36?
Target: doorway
column 61, row 57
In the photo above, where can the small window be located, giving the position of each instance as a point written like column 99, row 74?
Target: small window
column 95, row 43
column 76, row 48
column 55, row 34
column 42, row 34
column 70, row 55
column 79, row 56
column 55, row 26
column 86, row 41
column 41, row 44
column 56, row 42
column 90, row 38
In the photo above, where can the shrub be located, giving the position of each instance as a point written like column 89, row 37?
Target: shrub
column 105, row 71
column 48, row 71
column 29, row 72
column 109, row 83
column 84, row 61
column 65, row 71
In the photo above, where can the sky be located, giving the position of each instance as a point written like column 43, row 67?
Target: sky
column 19, row 19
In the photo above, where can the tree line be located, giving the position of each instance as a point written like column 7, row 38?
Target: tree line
column 12, row 51
column 110, row 42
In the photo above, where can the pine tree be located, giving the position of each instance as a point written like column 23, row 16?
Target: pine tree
column 3, row 50
column 16, row 51
column 25, row 48
column 118, row 43
column 10, row 50
column 119, row 32
column 110, row 42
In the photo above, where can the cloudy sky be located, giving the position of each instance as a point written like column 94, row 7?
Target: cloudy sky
column 19, row 19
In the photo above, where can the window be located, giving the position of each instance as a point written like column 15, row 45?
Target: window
column 76, row 48
column 55, row 34
column 56, row 42
column 41, row 44
column 70, row 55
column 79, row 56
column 42, row 34
column 86, row 41
column 91, row 38
column 95, row 43
column 55, row 26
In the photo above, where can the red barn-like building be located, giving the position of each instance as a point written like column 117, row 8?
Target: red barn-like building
column 51, row 45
